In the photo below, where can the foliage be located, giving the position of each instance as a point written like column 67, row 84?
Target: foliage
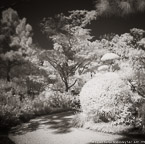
column 108, row 98
column 108, row 36
column 130, row 82
column 72, row 48
column 17, row 105
column 15, row 41
column 82, row 120
column 79, row 120
column 119, row 7
column 142, row 116
column 130, row 48
column 57, row 99
column 22, row 95
column 10, row 103
column 45, row 81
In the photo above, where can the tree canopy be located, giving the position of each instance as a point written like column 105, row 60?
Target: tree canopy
column 72, row 46
column 15, row 40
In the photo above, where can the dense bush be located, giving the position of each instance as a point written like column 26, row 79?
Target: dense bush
column 17, row 106
column 9, row 116
column 11, row 95
column 56, row 99
column 108, row 98
column 142, row 116
column 79, row 120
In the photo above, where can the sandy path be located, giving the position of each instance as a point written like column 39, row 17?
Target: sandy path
column 55, row 129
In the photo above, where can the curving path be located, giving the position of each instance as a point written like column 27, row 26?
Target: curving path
column 56, row 129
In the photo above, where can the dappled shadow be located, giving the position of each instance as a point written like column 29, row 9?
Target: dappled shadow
column 126, row 139
column 132, row 136
column 57, row 123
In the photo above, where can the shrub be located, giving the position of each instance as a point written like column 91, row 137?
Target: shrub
column 108, row 98
column 56, row 99
column 14, row 104
column 142, row 116
column 17, row 106
column 11, row 89
column 9, row 116
column 79, row 120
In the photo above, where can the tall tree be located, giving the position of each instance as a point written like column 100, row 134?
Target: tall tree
column 15, row 41
column 72, row 49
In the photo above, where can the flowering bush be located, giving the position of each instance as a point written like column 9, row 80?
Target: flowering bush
column 108, row 98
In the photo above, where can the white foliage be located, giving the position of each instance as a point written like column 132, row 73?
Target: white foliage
column 57, row 47
column 29, row 42
column 142, row 42
column 119, row 7
column 15, row 41
column 28, row 27
column 9, row 16
column 103, row 68
column 21, row 27
column 103, row 6
column 18, row 33
column 109, row 95
column 109, row 56
column 125, row 7
column 141, row 5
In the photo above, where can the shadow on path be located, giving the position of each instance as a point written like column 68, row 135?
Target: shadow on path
column 135, row 138
column 60, row 123
column 138, row 138
column 134, row 135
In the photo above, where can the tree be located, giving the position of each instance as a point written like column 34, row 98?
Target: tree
column 119, row 7
column 131, row 49
column 15, row 41
column 72, row 47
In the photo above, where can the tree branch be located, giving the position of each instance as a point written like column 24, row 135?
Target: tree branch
column 72, row 84
column 135, row 89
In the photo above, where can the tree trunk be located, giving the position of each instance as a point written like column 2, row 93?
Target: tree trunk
column 8, row 72
column 8, row 77
column 66, row 86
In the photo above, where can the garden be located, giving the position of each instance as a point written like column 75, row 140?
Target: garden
column 101, row 80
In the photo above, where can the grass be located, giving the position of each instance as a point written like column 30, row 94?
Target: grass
column 108, row 128
column 81, row 120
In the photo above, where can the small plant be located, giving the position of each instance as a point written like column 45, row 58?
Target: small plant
column 79, row 120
